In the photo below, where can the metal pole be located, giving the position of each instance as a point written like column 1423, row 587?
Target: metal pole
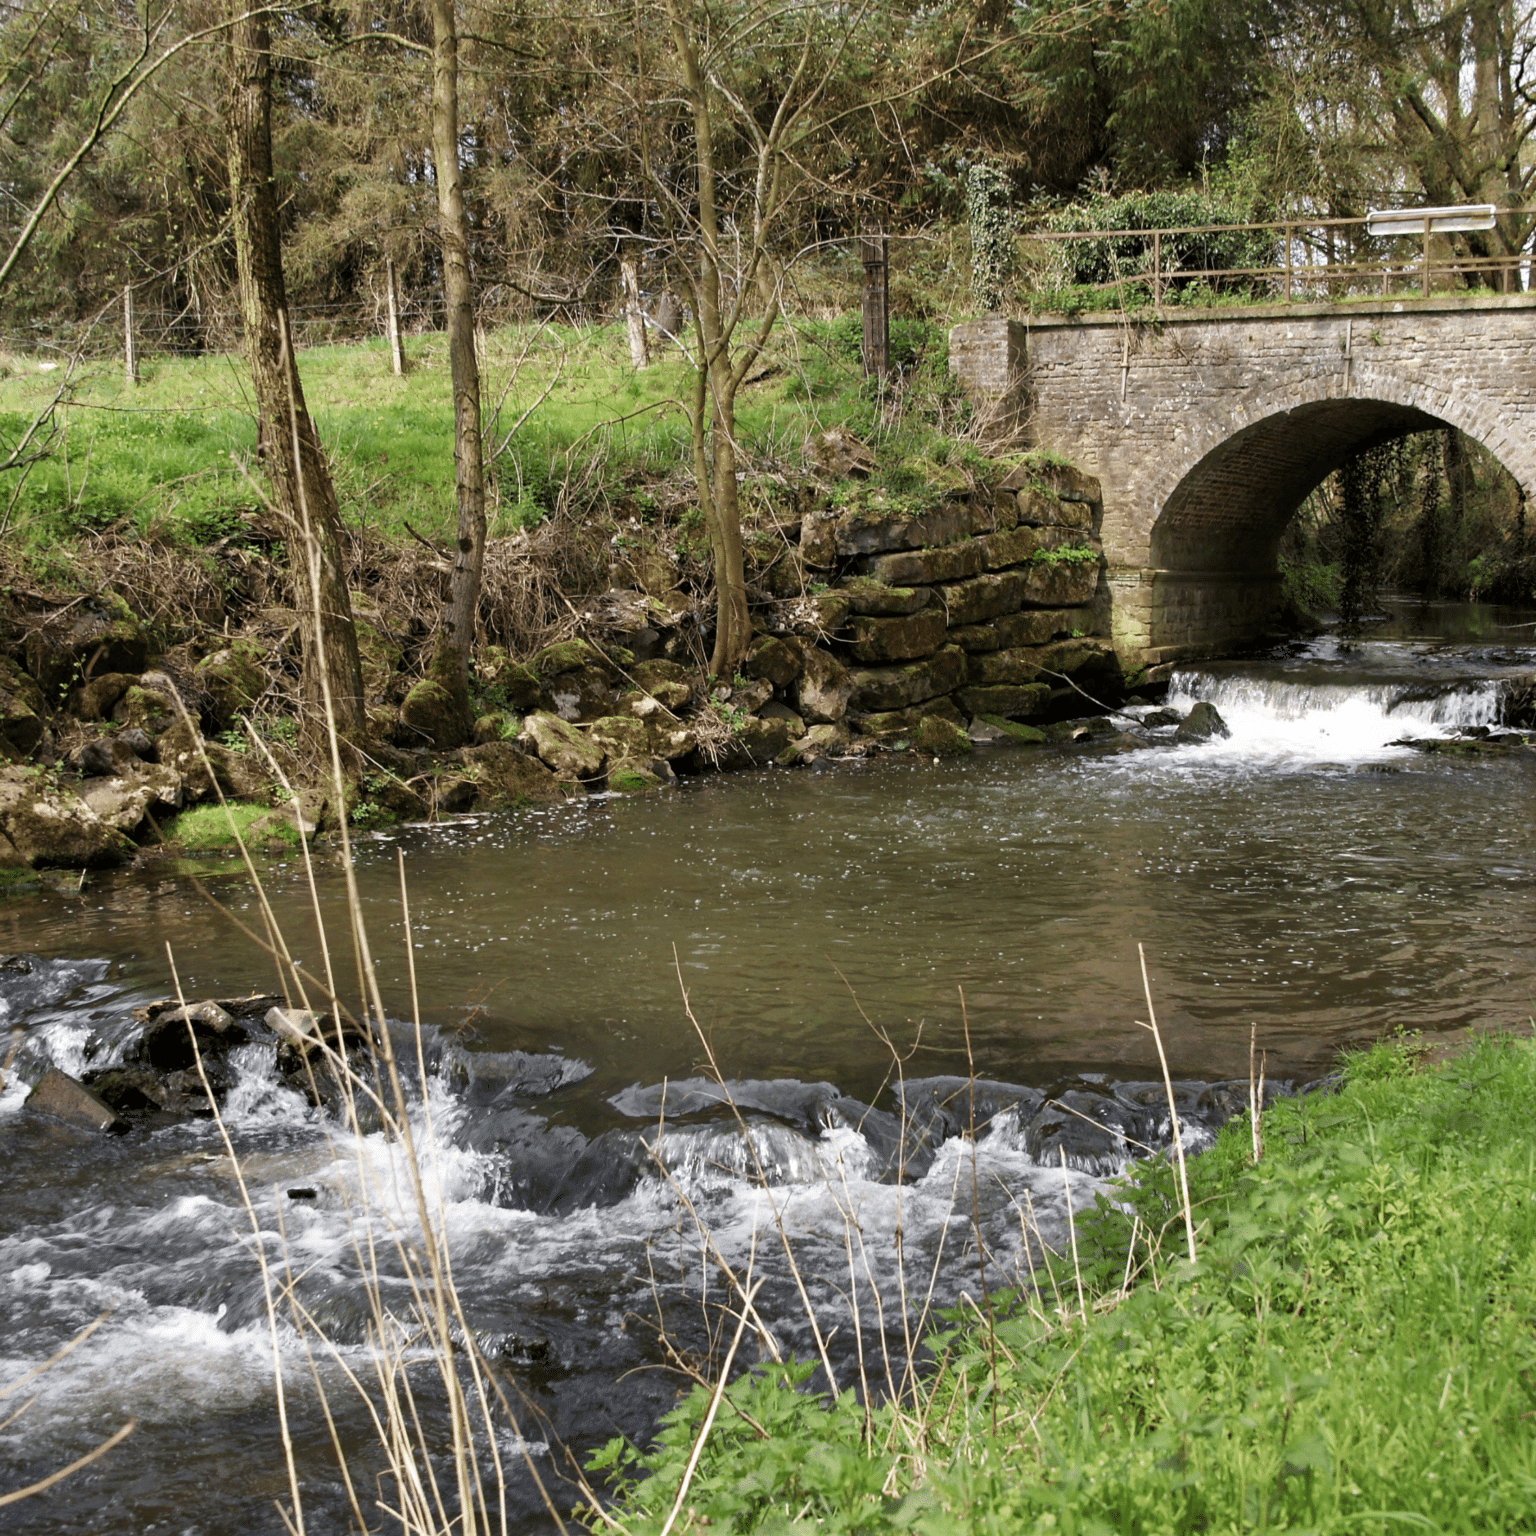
column 874, row 253
column 1426, row 258
column 130, row 342
column 392, row 311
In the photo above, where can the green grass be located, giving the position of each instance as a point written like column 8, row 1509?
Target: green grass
column 168, row 455
column 206, row 828
column 1355, row 1351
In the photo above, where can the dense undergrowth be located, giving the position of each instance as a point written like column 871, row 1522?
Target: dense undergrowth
column 1355, row 1351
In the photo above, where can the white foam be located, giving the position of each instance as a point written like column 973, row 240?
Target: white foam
column 1277, row 722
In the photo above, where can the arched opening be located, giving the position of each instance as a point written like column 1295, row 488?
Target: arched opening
column 1214, row 549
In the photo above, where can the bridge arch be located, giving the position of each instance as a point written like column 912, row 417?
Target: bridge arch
column 1224, row 503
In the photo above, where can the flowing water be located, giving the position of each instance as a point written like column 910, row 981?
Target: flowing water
column 1306, row 875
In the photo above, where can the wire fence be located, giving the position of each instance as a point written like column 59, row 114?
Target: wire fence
column 1283, row 261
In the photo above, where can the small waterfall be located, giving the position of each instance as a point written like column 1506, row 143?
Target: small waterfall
column 1272, row 714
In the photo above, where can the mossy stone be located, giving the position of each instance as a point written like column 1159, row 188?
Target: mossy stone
column 630, row 779
column 233, row 679
column 21, row 708
column 145, row 710
column 507, row 778
column 1013, row 731
column 941, row 738
column 566, row 656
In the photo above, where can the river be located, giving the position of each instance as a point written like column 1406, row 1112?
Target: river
column 1304, row 876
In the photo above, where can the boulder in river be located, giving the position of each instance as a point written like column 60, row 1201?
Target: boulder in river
column 1202, row 723
column 169, row 1029
column 61, row 1096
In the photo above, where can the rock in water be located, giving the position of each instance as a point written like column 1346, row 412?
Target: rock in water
column 1202, row 723
column 60, row 1095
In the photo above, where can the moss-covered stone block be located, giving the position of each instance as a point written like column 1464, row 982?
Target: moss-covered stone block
column 146, row 710
column 562, row 747
column 507, row 778
column 21, row 708
column 886, row 688
column 94, row 637
column 1013, row 701
column 941, row 738
column 897, row 639
column 868, row 596
column 772, row 661
column 95, row 700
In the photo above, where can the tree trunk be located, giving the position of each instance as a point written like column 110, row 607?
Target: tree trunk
column 715, row 388
column 458, row 633
column 634, row 314
column 295, row 465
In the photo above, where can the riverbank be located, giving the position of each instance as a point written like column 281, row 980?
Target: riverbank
column 967, row 608
column 1353, row 1349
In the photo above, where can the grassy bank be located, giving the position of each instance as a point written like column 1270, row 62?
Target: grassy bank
column 1355, row 1351
column 168, row 457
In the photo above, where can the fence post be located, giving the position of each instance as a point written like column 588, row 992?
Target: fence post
column 1157, row 269
column 1426, row 258
column 873, row 252
column 1287, row 238
column 130, row 342
column 392, row 313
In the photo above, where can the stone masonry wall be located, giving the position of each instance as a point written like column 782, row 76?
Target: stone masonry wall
column 1208, row 429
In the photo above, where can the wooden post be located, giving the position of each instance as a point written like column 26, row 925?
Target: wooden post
column 1426, row 258
column 392, row 319
column 130, row 341
column 1157, row 269
column 1287, row 237
column 874, row 251
column 634, row 312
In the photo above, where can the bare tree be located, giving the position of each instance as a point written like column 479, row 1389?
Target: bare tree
column 295, row 463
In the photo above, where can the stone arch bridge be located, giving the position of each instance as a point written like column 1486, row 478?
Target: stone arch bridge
column 1208, row 429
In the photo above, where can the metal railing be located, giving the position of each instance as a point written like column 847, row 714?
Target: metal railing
column 1309, row 260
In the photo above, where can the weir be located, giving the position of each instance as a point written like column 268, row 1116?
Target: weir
column 1207, row 429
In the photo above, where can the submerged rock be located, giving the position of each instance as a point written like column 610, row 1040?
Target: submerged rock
column 997, row 731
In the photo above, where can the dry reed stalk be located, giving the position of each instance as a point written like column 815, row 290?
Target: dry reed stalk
column 1256, row 1096
column 1173, row 1111
column 1077, row 1269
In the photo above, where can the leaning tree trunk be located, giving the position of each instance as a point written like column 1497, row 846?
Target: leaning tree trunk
column 296, row 468
column 451, row 666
